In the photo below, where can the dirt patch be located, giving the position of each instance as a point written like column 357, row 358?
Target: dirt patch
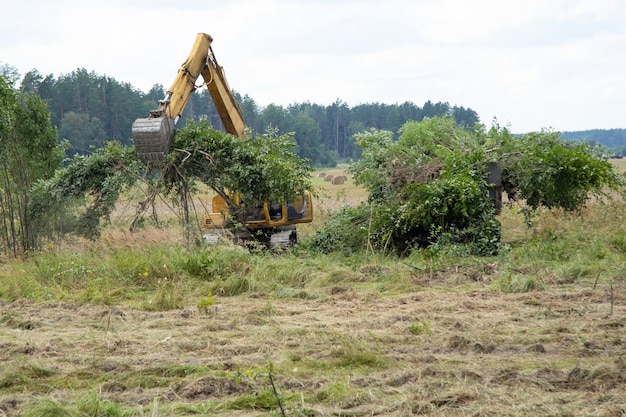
column 210, row 387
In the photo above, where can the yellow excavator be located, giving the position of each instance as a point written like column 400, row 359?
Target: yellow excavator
column 271, row 223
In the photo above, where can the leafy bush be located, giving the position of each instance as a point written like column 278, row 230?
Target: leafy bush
column 547, row 171
column 430, row 188
column 346, row 230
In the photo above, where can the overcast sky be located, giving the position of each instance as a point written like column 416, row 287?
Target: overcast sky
column 531, row 64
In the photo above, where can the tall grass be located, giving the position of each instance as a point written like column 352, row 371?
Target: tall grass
column 155, row 271
column 563, row 248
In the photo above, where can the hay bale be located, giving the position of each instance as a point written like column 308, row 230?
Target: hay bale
column 623, row 173
column 328, row 178
column 321, row 175
column 340, row 179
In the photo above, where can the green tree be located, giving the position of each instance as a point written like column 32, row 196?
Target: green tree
column 116, row 105
column 156, row 93
column 250, row 113
column 31, row 82
column 83, row 133
column 276, row 117
column 308, row 135
column 29, row 152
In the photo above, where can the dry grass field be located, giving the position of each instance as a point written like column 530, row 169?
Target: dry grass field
column 538, row 331
column 441, row 350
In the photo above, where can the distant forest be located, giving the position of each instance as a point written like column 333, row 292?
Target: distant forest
column 614, row 139
column 89, row 109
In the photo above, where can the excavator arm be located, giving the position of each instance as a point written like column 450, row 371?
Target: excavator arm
column 225, row 103
column 153, row 135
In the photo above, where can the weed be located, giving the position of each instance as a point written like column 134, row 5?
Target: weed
column 47, row 407
column 266, row 395
column 269, row 309
column 204, row 303
column 168, row 296
column 91, row 405
column 516, row 283
column 199, row 264
column 420, row 327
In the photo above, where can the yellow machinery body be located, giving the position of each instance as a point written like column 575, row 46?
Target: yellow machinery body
column 153, row 137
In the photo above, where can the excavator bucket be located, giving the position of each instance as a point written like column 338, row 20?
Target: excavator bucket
column 153, row 138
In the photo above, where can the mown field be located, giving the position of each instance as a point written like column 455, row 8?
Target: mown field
column 137, row 325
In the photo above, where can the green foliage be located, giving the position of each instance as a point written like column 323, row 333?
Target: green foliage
column 168, row 296
column 372, row 170
column 345, row 230
column 110, row 106
column 212, row 265
column 429, row 189
column 260, row 169
column 204, row 303
column 83, row 133
column 420, row 327
column 29, row 151
column 547, row 171
column 78, row 197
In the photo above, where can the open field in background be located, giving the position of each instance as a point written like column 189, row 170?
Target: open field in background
column 134, row 325
column 620, row 165
column 330, row 197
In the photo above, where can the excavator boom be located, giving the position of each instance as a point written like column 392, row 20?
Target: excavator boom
column 153, row 135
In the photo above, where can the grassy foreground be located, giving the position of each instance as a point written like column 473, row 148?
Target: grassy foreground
column 136, row 325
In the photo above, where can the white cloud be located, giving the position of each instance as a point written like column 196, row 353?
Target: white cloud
column 534, row 63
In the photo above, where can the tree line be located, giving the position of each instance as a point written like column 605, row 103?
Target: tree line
column 614, row 139
column 89, row 109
